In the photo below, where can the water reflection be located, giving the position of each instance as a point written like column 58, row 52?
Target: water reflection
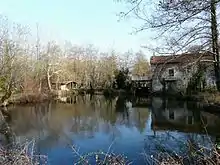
column 182, row 116
column 93, row 122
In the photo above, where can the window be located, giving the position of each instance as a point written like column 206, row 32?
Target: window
column 171, row 72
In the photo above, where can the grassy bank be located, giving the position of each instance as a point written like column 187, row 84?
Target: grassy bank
column 29, row 97
column 210, row 101
column 37, row 97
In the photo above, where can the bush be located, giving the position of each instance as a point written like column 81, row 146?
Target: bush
column 109, row 92
column 18, row 155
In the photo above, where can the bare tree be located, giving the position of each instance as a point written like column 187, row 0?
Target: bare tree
column 26, row 67
column 180, row 24
column 53, row 63
column 141, row 65
column 10, row 52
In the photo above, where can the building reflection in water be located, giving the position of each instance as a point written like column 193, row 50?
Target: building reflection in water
column 182, row 116
column 152, row 122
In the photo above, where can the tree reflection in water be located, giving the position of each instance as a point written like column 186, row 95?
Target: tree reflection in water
column 93, row 118
column 122, row 109
column 84, row 117
column 6, row 134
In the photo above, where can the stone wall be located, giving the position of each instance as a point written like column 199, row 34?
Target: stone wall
column 181, row 77
column 210, row 77
column 178, row 75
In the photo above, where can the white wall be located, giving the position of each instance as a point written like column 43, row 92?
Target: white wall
column 183, row 77
column 64, row 88
column 179, row 75
column 210, row 77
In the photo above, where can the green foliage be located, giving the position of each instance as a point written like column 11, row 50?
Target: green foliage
column 122, row 78
column 110, row 93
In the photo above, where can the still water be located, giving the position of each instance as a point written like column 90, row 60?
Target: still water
column 137, row 128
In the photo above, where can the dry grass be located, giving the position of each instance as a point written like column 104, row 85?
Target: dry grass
column 211, row 98
column 24, row 98
column 100, row 158
column 19, row 155
column 199, row 160
column 196, row 155
column 202, row 156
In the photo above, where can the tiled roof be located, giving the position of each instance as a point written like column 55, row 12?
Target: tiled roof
column 181, row 58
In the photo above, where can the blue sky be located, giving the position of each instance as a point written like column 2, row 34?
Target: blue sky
column 79, row 21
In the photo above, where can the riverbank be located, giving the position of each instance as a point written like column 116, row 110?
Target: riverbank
column 108, row 92
column 29, row 97
column 37, row 97
column 209, row 100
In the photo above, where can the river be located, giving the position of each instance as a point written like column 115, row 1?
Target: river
column 137, row 128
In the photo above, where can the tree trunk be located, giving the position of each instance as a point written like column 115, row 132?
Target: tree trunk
column 40, row 85
column 48, row 79
column 215, row 42
column 8, row 93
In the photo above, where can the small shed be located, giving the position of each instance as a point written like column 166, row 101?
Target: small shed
column 142, row 85
column 65, row 86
